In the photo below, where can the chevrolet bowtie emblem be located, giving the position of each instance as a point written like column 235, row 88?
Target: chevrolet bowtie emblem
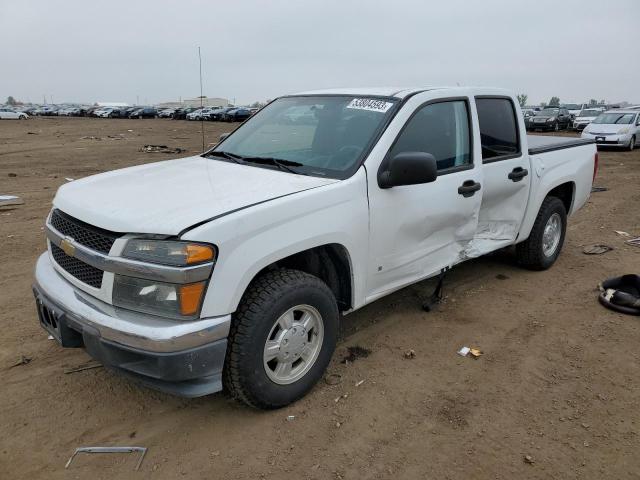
column 67, row 246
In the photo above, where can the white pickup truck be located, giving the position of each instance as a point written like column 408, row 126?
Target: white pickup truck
column 231, row 269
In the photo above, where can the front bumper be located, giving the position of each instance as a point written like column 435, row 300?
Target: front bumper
column 610, row 140
column 182, row 358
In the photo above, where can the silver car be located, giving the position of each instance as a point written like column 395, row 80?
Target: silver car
column 615, row 128
column 585, row 117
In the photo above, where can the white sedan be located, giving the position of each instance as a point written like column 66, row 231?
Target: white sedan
column 11, row 115
column 615, row 128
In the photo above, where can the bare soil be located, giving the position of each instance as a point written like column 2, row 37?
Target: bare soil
column 556, row 383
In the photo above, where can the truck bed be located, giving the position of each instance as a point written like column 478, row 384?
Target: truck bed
column 547, row 143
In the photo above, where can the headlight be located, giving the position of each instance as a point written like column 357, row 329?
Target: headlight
column 180, row 302
column 168, row 252
column 623, row 131
column 551, row 119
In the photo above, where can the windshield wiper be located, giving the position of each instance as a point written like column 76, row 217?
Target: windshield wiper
column 278, row 162
column 227, row 155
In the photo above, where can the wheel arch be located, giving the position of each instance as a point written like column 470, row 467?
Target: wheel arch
column 565, row 192
column 330, row 262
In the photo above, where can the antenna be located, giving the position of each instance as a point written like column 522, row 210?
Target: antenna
column 201, row 117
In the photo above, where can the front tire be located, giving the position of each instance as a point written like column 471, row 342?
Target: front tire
column 281, row 339
column 545, row 241
column 632, row 143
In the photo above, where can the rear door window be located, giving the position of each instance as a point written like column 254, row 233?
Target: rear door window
column 499, row 134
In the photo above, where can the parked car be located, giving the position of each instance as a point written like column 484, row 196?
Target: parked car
column 615, row 128
column 550, row 118
column 218, row 114
column 298, row 228
column 236, row 115
column 166, row 113
column 181, row 113
column 195, row 114
column 145, row 112
column 6, row 114
column 585, row 117
column 574, row 108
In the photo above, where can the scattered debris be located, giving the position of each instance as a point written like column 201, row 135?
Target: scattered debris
column 359, row 383
column 161, row 149
column 621, row 294
column 142, row 450
column 596, row 249
column 634, row 242
column 598, row 189
column 291, row 418
column 69, row 179
column 623, row 234
column 528, row 459
column 12, row 175
column 10, row 200
column 50, row 337
column 464, row 351
column 90, row 137
column 475, row 352
column 333, row 379
column 82, row 368
column 23, row 361
column 32, row 133
column 410, row 354
column 501, row 276
column 337, row 399
column 355, row 352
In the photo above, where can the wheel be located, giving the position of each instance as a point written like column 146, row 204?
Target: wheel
column 545, row 241
column 632, row 143
column 281, row 339
column 556, row 127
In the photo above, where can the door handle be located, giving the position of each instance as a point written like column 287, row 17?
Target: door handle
column 518, row 174
column 469, row 188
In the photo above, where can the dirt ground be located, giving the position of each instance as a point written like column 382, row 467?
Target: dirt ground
column 556, row 381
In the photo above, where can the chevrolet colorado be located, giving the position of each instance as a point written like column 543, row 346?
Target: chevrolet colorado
column 232, row 268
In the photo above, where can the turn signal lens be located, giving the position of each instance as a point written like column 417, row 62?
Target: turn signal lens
column 198, row 253
column 190, row 297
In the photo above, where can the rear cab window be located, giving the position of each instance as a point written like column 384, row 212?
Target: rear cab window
column 499, row 133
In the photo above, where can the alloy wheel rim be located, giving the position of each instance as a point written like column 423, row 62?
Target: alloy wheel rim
column 293, row 344
column 551, row 235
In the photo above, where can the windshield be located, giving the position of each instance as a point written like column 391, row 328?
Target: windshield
column 318, row 135
column 547, row 112
column 589, row 113
column 615, row 118
column 572, row 106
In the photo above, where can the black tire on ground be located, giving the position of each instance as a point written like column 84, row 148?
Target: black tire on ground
column 530, row 253
column 266, row 299
column 632, row 143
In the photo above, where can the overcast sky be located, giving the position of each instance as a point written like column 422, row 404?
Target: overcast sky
column 87, row 51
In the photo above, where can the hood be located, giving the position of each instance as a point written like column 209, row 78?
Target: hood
column 167, row 197
column 606, row 128
column 585, row 119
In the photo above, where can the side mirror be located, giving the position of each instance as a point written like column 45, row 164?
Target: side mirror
column 224, row 135
column 408, row 168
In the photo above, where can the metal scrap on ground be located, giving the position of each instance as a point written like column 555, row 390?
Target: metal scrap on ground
column 161, row 149
column 10, row 200
column 142, row 450
column 596, row 249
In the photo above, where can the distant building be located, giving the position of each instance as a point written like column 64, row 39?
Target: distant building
column 195, row 102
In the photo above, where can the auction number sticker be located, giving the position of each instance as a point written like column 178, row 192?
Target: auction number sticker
column 370, row 104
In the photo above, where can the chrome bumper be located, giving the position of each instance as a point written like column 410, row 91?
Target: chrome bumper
column 124, row 327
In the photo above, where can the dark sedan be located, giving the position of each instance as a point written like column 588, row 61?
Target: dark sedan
column 550, row 118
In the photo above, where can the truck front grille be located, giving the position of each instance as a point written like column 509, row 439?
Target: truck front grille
column 83, row 233
column 80, row 270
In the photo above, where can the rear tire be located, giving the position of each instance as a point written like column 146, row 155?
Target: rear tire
column 544, row 244
column 248, row 374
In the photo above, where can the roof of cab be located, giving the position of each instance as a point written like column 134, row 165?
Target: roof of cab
column 398, row 92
